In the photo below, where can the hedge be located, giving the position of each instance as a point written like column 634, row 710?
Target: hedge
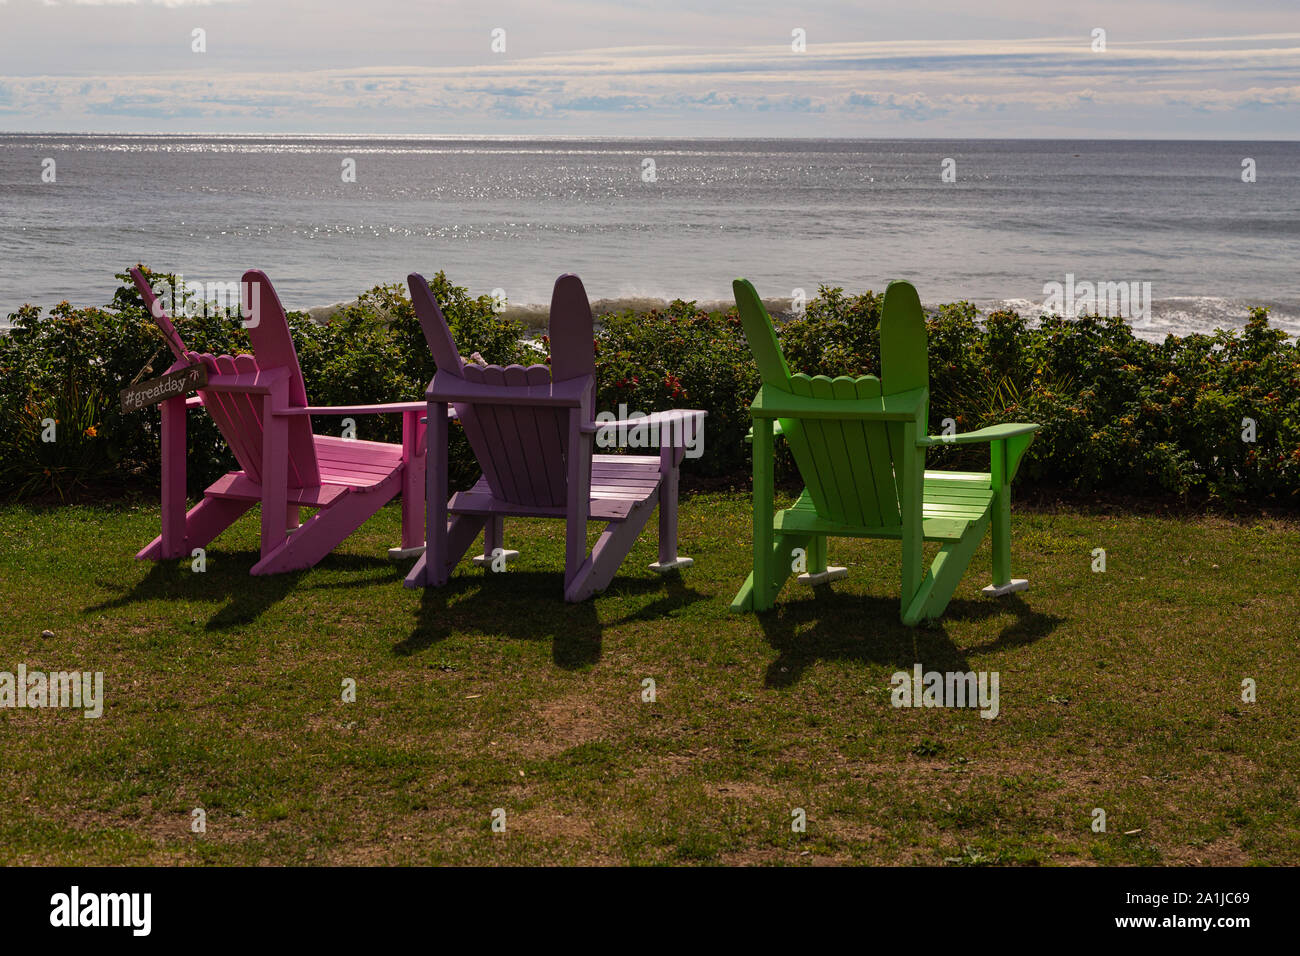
column 1119, row 413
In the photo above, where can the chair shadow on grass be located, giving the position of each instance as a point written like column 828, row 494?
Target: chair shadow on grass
column 247, row 596
column 529, row 606
column 674, row 595
column 835, row 626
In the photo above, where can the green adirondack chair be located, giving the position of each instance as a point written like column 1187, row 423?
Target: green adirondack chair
column 860, row 447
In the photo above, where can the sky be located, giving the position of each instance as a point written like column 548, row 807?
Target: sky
column 1190, row 69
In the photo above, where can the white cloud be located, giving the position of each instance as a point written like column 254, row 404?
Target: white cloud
column 842, row 88
column 156, row 3
column 131, row 3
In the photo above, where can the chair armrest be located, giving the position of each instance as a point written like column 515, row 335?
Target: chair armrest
column 990, row 434
column 1007, row 445
column 659, row 424
column 777, row 431
column 353, row 409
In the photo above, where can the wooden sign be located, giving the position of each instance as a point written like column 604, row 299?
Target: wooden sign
column 155, row 391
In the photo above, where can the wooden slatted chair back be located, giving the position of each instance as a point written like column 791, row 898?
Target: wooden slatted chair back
column 521, row 448
column 238, row 415
column 159, row 316
column 268, row 329
column 850, row 467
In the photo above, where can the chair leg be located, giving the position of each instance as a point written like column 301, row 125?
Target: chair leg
column 816, row 552
column 764, row 594
column 911, row 505
column 579, row 503
column 945, row 573
column 275, row 472
column 455, row 540
column 1003, row 583
column 413, row 464
column 418, row 576
column 494, row 540
column 744, row 599
column 461, row 532
column 818, row 571
column 669, row 559
column 575, row 552
column 431, row 569
column 778, row 567
column 607, row 556
column 174, row 519
column 323, row 532
column 205, row 521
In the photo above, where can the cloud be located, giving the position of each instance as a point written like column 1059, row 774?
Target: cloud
column 928, row 87
column 171, row 4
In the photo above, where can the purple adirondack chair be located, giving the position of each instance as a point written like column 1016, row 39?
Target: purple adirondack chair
column 532, row 431
column 260, row 405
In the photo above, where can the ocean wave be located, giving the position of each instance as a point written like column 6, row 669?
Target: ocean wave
column 1182, row 315
column 1176, row 315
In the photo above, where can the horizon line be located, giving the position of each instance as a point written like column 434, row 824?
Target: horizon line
column 573, row 137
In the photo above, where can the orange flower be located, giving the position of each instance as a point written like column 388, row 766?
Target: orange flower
column 91, row 432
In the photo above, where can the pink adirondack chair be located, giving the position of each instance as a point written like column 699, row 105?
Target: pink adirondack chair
column 532, row 431
column 260, row 405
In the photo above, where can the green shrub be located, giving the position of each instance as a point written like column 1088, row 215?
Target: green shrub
column 1119, row 413
column 71, row 364
column 681, row 357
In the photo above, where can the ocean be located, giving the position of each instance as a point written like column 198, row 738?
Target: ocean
column 996, row 222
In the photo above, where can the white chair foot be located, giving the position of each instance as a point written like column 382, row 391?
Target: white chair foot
column 822, row 577
column 1015, row 584
column 485, row 560
column 397, row 554
column 663, row 567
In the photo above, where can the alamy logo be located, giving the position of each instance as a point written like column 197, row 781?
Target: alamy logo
column 103, row 909
column 951, row 689
column 36, row 689
column 211, row 299
column 638, row 430
column 1130, row 300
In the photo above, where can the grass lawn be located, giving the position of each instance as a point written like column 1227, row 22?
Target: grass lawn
column 1119, row 690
